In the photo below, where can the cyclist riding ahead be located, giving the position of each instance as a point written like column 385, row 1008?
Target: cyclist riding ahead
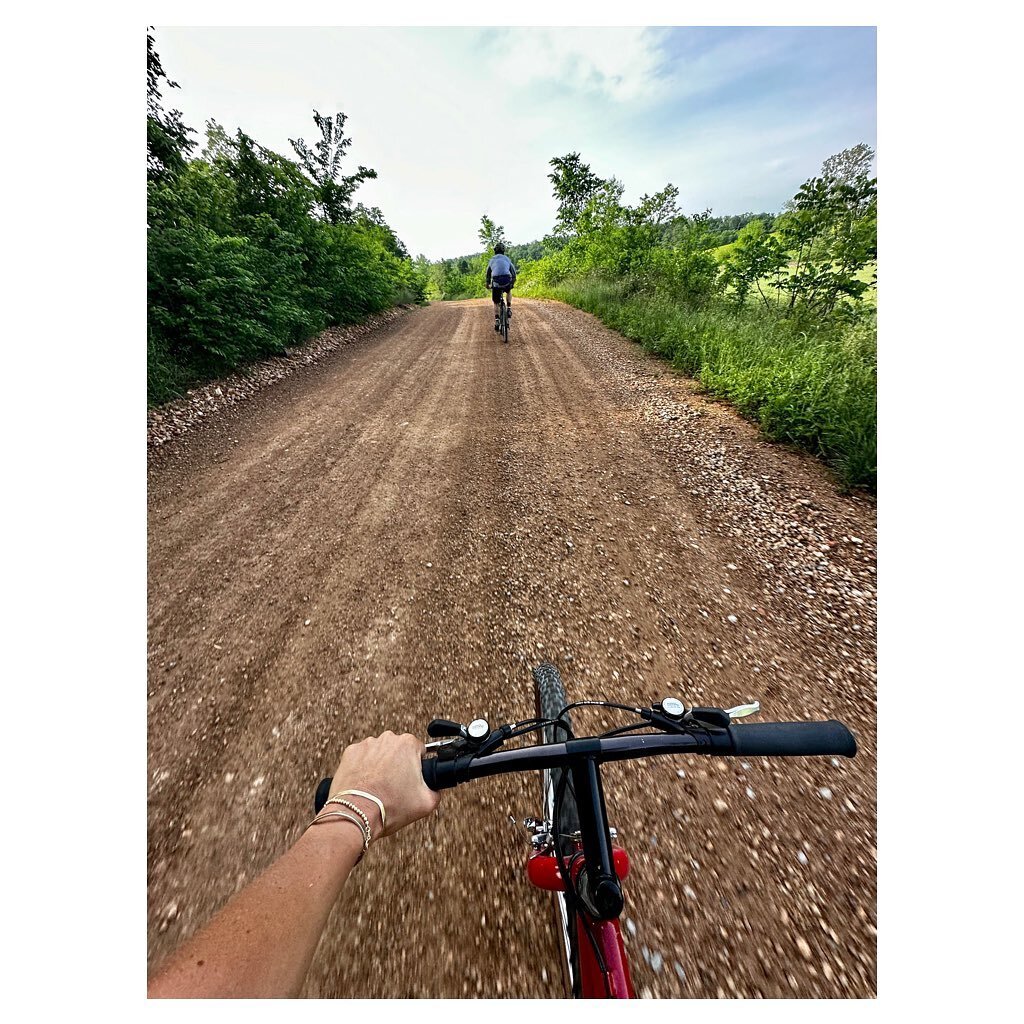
column 501, row 277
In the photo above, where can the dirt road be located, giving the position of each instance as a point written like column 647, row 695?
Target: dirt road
column 400, row 532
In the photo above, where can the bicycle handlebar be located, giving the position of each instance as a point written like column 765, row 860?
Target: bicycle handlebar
column 768, row 739
column 793, row 739
column 775, row 739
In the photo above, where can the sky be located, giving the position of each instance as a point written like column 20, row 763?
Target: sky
column 459, row 122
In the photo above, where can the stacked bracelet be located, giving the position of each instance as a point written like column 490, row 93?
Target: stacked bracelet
column 369, row 796
column 352, row 807
column 362, row 822
column 363, row 825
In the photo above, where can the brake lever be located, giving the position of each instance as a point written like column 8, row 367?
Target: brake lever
column 710, row 718
column 449, row 749
column 743, row 710
column 435, row 744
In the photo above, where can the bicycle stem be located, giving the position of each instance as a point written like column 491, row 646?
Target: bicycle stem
column 599, row 888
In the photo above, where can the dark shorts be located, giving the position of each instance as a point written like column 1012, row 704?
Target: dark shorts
column 496, row 292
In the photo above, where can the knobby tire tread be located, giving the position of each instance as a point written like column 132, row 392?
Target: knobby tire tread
column 550, row 699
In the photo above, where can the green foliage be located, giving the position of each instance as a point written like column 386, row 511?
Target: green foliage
column 167, row 137
column 323, row 165
column 816, row 391
column 490, row 234
column 724, row 230
column 850, row 165
column 756, row 256
column 773, row 324
column 249, row 253
column 461, row 278
column 687, row 271
column 813, row 263
column 524, row 253
column 830, row 231
column 575, row 186
column 597, row 233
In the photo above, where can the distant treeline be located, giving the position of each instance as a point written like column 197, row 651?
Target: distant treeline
column 250, row 251
column 721, row 231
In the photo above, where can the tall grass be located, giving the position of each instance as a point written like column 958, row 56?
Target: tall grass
column 813, row 387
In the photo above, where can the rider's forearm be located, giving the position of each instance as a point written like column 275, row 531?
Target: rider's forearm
column 262, row 942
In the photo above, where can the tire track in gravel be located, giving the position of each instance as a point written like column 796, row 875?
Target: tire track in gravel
column 446, row 511
column 268, row 503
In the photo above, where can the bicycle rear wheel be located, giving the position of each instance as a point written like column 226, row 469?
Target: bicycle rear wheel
column 550, row 700
column 504, row 320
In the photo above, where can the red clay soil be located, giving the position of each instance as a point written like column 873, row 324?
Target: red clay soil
column 401, row 531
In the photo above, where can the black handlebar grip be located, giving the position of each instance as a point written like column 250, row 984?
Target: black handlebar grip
column 438, row 774
column 793, row 739
column 323, row 791
column 429, row 765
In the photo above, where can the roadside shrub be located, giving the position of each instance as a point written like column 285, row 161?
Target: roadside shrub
column 815, row 391
column 226, row 289
column 247, row 254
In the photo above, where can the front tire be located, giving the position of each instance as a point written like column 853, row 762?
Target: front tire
column 550, row 699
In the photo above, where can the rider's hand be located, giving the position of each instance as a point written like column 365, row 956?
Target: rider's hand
column 388, row 766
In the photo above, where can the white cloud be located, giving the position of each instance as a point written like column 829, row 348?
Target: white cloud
column 617, row 64
column 459, row 122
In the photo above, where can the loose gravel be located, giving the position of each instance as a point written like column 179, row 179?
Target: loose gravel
column 399, row 532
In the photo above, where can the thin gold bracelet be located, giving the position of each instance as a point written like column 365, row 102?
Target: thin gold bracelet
column 352, row 807
column 376, row 799
column 324, row 815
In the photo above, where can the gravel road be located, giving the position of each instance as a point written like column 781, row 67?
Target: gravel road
column 400, row 531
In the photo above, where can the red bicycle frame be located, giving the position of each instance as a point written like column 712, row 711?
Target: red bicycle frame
column 598, row 942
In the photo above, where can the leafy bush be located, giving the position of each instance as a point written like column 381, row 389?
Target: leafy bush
column 816, row 391
column 774, row 324
column 248, row 254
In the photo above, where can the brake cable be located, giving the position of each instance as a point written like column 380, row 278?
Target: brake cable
column 622, row 730
column 565, row 869
column 565, row 865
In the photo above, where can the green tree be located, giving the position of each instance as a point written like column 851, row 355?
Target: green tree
column 168, row 142
column 657, row 210
column 528, row 251
column 574, row 186
column 242, row 262
column 371, row 217
column 269, row 184
column 830, row 232
column 849, row 165
column 490, row 234
column 757, row 257
column 323, row 165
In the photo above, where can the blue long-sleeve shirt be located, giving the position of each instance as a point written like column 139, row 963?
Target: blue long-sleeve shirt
column 500, row 264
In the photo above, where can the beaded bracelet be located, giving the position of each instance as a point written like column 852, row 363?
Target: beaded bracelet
column 352, row 807
column 324, row 815
column 369, row 796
